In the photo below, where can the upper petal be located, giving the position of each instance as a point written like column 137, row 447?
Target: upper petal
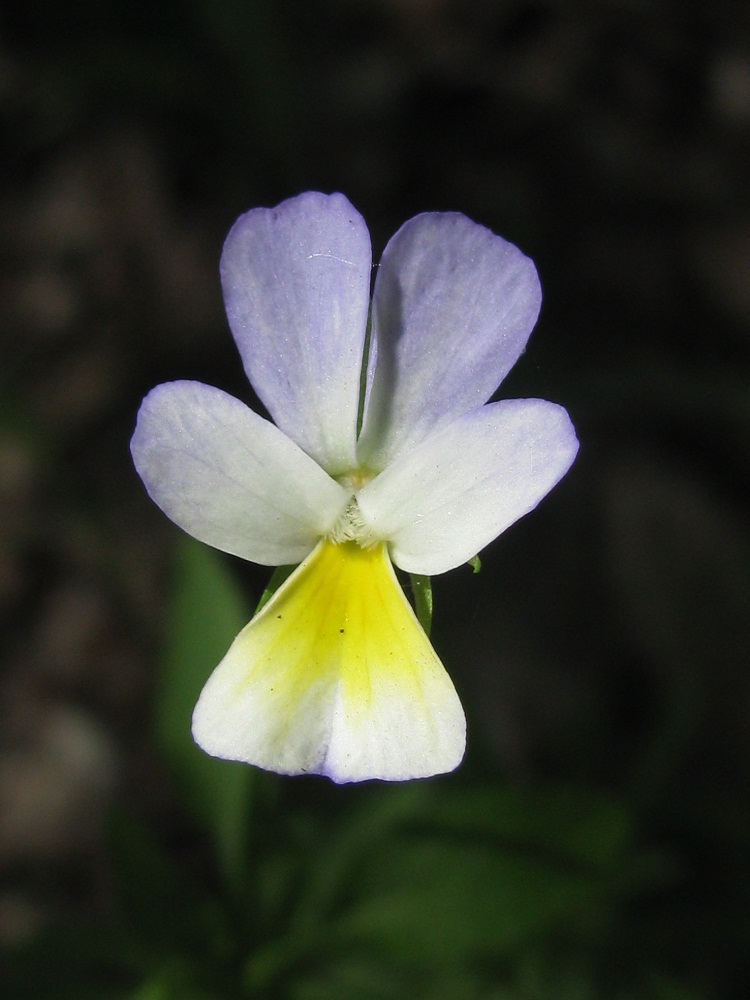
column 230, row 478
column 441, row 503
column 453, row 307
column 296, row 282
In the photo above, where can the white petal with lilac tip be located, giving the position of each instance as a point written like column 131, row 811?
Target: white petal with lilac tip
column 230, row 478
column 453, row 307
column 296, row 282
column 460, row 488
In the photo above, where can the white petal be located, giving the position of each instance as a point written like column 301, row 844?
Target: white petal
column 452, row 309
column 459, row 489
column 296, row 282
column 335, row 676
column 230, row 478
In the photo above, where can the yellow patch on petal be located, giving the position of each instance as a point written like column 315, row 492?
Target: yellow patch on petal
column 334, row 676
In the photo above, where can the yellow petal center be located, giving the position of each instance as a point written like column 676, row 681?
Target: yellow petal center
column 334, row 676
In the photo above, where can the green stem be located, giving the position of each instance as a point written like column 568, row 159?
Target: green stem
column 421, row 587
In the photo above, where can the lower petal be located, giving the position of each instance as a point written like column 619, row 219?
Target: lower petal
column 334, row 676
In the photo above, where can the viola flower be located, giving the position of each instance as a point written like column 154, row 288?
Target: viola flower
column 383, row 451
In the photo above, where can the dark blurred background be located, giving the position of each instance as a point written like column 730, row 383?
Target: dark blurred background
column 604, row 646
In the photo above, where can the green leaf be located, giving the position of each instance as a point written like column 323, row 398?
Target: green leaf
column 339, row 853
column 206, row 613
column 431, row 875
column 174, row 981
column 566, row 823
column 476, row 563
column 431, row 900
column 363, row 977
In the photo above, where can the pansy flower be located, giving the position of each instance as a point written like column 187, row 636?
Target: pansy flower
column 383, row 452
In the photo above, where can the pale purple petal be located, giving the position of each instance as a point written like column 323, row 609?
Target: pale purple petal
column 230, row 478
column 296, row 282
column 441, row 503
column 453, row 308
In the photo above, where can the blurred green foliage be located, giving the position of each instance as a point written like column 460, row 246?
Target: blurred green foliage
column 434, row 889
column 206, row 610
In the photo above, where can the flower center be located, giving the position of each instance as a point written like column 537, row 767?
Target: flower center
column 355, row 479
column 352, row 527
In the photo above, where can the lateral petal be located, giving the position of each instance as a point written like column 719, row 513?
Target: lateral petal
column 296, row 282
column 453, row 307
column 229, row 477
column 441, row 503
column 334, row 676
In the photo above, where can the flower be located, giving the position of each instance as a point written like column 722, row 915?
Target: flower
column 383, row 450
